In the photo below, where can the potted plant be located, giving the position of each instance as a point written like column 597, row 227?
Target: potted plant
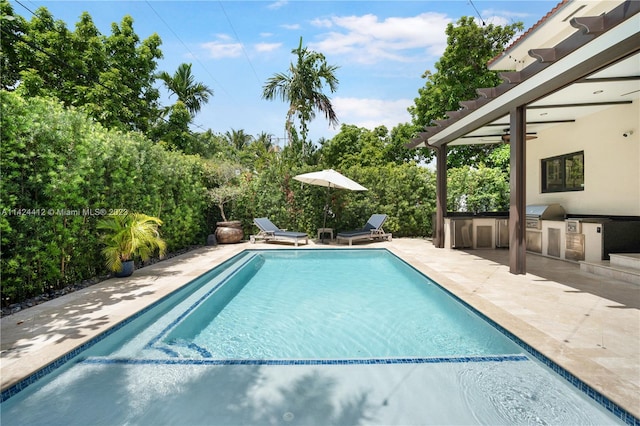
column 226, row 176
column 129, row 236
column 227, row 231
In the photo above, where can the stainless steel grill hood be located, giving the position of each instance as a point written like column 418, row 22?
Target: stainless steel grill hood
column 545, row 211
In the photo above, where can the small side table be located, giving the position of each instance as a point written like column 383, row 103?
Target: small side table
column 322, row 231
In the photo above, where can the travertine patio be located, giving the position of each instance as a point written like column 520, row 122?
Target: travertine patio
column 587, row 324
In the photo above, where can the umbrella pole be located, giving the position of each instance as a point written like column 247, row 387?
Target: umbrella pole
column 326, row 207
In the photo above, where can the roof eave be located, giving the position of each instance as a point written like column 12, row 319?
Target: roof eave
column 595, row 52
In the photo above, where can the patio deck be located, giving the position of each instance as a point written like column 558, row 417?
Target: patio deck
column 589, row 325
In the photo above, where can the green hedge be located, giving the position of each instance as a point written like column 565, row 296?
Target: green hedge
column 60, row 172
column 406, row 193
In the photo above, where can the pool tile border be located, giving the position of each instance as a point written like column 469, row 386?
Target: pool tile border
column 348, row 361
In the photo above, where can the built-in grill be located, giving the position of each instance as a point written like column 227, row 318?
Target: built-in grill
column 549, row 231
column 537, row 212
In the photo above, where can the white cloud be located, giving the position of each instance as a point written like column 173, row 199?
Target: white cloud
column 277, row 4
column 495, row 20
column 322, row 23
column 371, row 113
column 366, row 39
column 223, row 47
column 267, row 47
column 501, row 17
column 505, row 14
column 291, row 26
column 225, row 37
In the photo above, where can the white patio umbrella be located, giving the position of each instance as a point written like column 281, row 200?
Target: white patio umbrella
column 331, row 179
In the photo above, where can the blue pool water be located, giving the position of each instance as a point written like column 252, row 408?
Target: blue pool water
column 305, row 337
column 332, row 304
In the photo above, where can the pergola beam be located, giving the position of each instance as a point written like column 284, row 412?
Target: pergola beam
column 540, row 79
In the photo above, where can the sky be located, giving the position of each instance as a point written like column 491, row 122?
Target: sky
column 382, row 49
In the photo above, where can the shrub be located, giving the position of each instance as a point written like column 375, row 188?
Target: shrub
column 61, row 172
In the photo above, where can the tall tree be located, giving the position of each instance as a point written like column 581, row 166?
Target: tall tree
column 301, row 87
column 44, row 57
column 131, row 75
column 182, row 84
column 238, row 139
column 263, row 151
column 459, row 72
column 90, row 59
column 395, row 149
column 360, row 146
column 265, row 141
column 13, row 27
column 111, row 77
column 174, row 132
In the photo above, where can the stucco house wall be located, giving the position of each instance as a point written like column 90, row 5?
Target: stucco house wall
column 611, row 162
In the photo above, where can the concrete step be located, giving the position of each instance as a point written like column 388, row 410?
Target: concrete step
column 608, row 269
column 629, row 260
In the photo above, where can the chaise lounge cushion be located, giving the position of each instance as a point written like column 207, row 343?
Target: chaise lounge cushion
column 355, row 233
column 270, row 232
column 372, row 229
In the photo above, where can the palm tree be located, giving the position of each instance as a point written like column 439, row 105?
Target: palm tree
column 302, row 87
column 183, row 84
column 265, row 140
column 238, row 139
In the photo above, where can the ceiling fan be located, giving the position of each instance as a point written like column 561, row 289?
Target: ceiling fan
column 530, row 135
column 506, row 137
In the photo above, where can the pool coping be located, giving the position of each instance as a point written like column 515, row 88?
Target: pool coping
column 217, row 255
column 565, row 361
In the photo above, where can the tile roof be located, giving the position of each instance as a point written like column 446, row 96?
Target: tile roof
column 524, row 35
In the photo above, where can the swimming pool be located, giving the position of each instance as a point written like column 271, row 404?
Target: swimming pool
column 305, row 337
column 335, row 312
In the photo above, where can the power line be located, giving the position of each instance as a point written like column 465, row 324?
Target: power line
column 55, row 58
column 189, row 50
column 31, row 11
column 65, row 64
column 474, row 7
column 241, row 44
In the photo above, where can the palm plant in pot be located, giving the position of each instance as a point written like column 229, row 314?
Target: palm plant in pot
column 130, row 236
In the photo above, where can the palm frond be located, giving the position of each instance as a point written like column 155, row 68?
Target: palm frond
column 130, row 235
column 302, row 88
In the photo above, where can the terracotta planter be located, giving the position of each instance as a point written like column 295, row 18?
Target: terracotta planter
column 229, row 232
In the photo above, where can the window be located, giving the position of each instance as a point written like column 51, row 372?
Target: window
column 563, row 173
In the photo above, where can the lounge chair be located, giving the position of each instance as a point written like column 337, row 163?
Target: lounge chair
column 372, row 230
column 270, row 232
